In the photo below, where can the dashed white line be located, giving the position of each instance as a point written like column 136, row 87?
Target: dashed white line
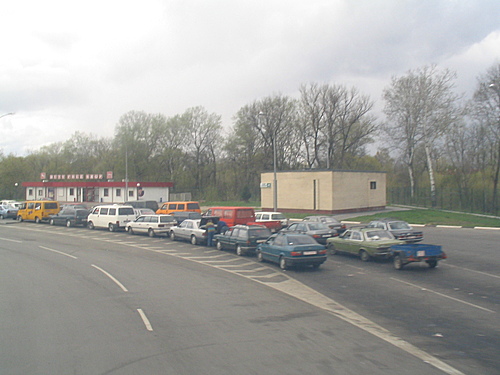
column 111, row 277
column 443, row 295
column 145, row 320
column 58, row 252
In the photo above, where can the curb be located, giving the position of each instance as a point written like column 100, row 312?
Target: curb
column 431, row 225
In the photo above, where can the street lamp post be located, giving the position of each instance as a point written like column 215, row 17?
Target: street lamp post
column 275, row 187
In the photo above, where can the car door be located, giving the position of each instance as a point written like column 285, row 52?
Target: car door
column 354, row 242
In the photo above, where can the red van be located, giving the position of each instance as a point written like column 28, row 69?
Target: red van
column 233, row 215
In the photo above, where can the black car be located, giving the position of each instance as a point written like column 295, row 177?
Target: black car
column 70, row 217
column 242, row 238
column 400, row 229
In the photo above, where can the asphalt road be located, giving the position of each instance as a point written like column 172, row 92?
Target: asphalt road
column 93, row 302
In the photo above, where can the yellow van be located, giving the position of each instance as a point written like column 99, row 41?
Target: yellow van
column 170, row 207
column 37, row 211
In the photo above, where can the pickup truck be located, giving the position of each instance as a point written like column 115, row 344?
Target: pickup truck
column 408, row 253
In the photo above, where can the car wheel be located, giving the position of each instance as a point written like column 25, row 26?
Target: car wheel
column 283, row 264
column 364, row 256
column 398, row 262
column 432, row 263
column 20, row 219
column 218, row 245
column 111, row 227
column 51, row 222
column 260, row 257
column 90, row 225
column 37, row 220
column 68, row 223
column 1, row 217
column 151, row 232
column 316, row 265
column 239, row 250
column 172, row 236
column 194, row 241
column 130, row 230
column 331, row 248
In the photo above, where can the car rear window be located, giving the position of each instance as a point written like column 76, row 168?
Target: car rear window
column 126, row 211
column 51, row 206
column 261, row 232
column 166, row 219
column 193, row 206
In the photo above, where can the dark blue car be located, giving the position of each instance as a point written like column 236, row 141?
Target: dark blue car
column 292, row 249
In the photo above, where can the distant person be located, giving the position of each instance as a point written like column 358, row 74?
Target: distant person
column 210, row 233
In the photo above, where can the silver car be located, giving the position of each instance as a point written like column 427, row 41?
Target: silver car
column 153, row 225
column 319, row 231
column 192, row 230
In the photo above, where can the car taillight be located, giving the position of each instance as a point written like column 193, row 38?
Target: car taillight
column 316, row 236
column 322, row 252
column 296, row 253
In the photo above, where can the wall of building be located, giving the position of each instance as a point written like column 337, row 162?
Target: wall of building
column 324, row 191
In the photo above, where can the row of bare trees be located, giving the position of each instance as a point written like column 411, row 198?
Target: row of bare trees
column 431, row 137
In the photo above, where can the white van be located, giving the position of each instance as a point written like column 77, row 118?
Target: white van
column 113, row 217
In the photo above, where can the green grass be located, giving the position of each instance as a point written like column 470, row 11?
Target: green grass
column 434, row 217
column 412, row 216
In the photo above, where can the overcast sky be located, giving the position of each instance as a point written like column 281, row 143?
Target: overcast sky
column 68, row 66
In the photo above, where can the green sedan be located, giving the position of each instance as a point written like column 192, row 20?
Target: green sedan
column 367, row 243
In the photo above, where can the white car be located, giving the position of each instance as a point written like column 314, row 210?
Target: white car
column 263, row 216
column 112, row 216
column 153, row 225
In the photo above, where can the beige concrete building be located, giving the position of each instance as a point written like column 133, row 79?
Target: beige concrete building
column 324, row 191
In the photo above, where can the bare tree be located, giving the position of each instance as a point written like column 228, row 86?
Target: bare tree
column 420, row 107
column 486, row 111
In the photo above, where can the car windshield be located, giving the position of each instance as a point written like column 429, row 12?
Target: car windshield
column 395, row 225
column 261, row 232
column 301, row 240
column 377, row 235
column 317, row 226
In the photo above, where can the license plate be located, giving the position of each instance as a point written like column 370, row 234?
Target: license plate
column 421, row 253
column 327, row 235
column 310, row 252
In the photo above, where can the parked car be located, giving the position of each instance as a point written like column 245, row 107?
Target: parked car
column 37, row 211
column 70, row 217
column 8, row 211
column 111, row 216
column 244, row 239
column 171, row 207
column 367, row 243
column 192, row 230
column 143, row 211
column 329, row 221
column 273, row 220
column 180, row 216
column 151, row 224
column 400, row 229
column 233, row 215
column 319, row 231
column 75, row 206
column 291, row 249
column 14, row 203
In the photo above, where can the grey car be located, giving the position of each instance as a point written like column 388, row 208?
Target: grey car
column 329, row 221
column 319, row 231
column 192, row 230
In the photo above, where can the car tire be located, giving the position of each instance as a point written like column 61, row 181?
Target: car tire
column 282, row 263
column 432, row 263
column 130, row 230
column 111, row 227
column 68, row 223
column 90, row 225
column 194, row 240
column 151, row 232
column 20, row 219
column 316, row 265
column 218, row 245
column 239, row 251
column 51, row 222
column 260, row 256
column 37, row 220
column 398, row 262
column 364, row 256
column 1, row 217
column 331, row 249
column 172, row 236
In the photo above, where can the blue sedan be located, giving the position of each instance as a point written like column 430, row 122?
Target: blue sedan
column 291, row 249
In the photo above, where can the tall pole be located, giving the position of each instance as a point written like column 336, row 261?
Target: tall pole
column 126, row 175
column 275, row 185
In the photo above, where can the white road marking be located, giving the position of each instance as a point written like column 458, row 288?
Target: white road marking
column 58, row 252
column 443, row 295
column 145, row 320
column 7, row 239
column 468, row 269
column 111, row 277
